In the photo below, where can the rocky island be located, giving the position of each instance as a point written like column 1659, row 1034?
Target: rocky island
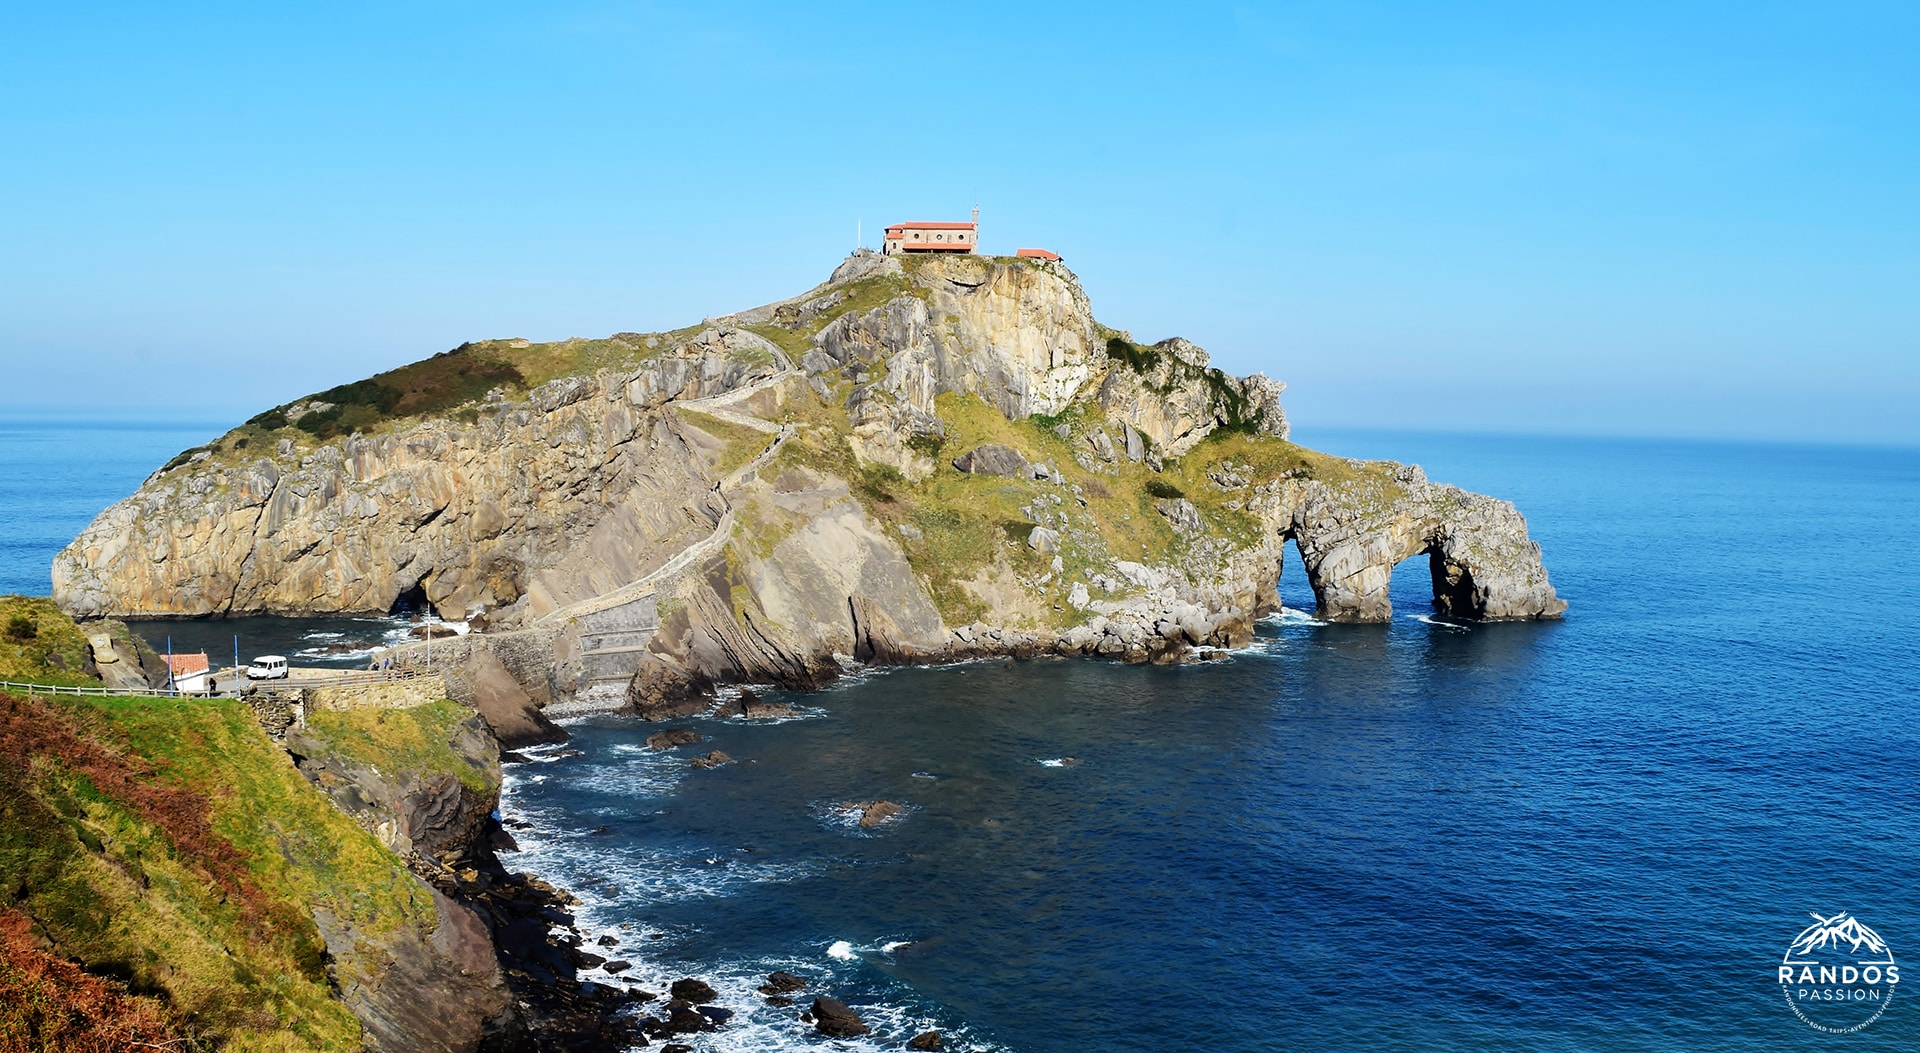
column 922, row 459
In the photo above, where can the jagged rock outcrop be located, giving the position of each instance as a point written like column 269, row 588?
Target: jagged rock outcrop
column 431, row 992
column 121, row 659
column 1021, row 337
column 428, row 814
column 484, row 683
column 1176, row 399
column 991, row 459
column 490, row 974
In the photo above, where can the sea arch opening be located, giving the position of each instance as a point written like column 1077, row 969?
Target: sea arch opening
column 1353, row 580
column 1411, row 585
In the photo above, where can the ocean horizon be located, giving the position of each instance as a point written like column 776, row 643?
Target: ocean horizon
column 59, row 468
column 1600, row 833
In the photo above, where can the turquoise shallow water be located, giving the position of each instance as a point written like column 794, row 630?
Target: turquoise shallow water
column 1594, row 835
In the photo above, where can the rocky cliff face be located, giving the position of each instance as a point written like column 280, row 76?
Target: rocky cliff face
column 771, row 496
column 576, row 488
column 491, row 973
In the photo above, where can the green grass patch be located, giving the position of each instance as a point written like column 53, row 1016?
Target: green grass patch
column 739, row 443
column 402, row 740
column 40, row 644
column 1140, row 359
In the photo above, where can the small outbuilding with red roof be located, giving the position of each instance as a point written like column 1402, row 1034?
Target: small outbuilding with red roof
column 189, row 673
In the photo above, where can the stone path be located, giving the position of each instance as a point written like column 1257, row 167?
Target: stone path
column 643, row 587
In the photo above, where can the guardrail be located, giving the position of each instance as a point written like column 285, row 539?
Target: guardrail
column 102, row 691
column 290, row 683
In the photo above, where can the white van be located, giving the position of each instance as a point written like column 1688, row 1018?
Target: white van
column 268, row 667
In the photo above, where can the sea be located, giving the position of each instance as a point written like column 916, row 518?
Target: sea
column 1602, row 833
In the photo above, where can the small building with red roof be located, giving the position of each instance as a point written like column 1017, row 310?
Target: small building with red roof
column 189, row 672
column 933, row 237
column 1036, row 254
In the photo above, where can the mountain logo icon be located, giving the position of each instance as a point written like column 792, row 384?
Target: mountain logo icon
column 1838, row 974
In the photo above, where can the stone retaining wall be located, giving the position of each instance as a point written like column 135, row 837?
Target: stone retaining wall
column 418, row 690
column 530, row 655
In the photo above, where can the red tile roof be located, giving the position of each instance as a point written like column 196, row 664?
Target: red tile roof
column 1037, row 254
column 930, row 226
column 938, row 246
column 187, row 664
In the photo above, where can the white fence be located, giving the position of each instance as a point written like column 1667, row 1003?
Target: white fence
column 289, row 684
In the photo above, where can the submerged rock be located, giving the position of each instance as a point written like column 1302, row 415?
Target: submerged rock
column 671, row 738
column 833, row 1018
column 698, row 992
column 753, row 707
column 873, row 813
column 782, row 982
column 686, row 1020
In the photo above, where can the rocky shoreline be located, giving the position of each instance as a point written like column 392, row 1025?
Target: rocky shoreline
column 449, row 835
column 559, row 1013
column 583, row 1013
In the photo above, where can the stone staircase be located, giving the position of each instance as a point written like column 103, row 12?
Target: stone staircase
column 612, row 639
column 615, row 627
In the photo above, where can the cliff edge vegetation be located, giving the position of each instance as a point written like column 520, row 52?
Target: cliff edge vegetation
column 170, row 880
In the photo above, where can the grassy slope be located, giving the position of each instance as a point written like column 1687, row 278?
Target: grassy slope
column 173, row 849
column 47, row 1003
column 448, row 384
column 452, row 382
column 401, row 740
column 39, row 644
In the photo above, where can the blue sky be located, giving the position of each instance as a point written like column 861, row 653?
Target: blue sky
column 1648, row 219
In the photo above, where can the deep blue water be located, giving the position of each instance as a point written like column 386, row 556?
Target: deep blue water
column 1599, row 834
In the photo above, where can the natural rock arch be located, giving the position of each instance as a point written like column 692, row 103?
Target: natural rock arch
column 1482, row 562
